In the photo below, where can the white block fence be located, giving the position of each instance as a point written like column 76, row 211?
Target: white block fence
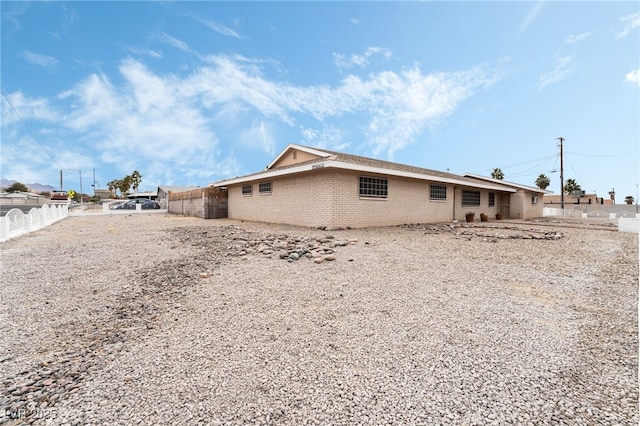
column 16, row 222
column 627, row 221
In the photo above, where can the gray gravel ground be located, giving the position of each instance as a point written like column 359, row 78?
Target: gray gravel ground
column 153, row 319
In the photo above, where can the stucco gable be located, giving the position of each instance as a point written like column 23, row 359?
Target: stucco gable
column 297, row 154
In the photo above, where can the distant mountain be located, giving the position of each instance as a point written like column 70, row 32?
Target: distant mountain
column 33, row 187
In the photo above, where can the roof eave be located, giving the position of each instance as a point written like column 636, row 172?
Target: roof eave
column 361, row 168
column 509, row 184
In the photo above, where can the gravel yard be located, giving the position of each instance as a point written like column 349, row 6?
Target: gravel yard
column 155, row 319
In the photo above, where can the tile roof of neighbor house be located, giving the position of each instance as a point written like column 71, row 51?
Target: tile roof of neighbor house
column 339, row 160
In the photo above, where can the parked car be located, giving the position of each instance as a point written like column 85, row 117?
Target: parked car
column 145, row 205
column 59, row 196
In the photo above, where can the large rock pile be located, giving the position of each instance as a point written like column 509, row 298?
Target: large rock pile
column 491, row 233
column 289, row 248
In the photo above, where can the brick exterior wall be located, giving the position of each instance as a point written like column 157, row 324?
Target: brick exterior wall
column 330, row 198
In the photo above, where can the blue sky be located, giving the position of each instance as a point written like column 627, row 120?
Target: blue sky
column 189, row 93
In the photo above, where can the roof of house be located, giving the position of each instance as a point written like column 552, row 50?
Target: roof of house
column 20, row 194
column 512, row 184
column 337, row 160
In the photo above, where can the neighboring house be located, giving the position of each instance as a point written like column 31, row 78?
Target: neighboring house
column 103, row 194
column 162, row 193
column 22, row 198
column 147, row 195
column 321, row 188
column 571, row 199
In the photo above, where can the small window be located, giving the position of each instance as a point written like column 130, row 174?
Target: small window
column 264, row 188
column 295, row 154
column 534, row 199
column 438, row 193
column 246, row 190
column 492, row 199
column 373, row 187
column 470, row 198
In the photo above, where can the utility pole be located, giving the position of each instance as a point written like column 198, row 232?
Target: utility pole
column 561, row 139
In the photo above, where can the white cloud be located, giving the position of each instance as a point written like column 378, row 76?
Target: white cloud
column 362, row 60
column 17, row 107
column 172, row 41
column 40, row 60
column 171, row 123
column 328, row 137
column 221, row 29
column 145, row 120
column 260, row 136
column 531, row 16
column 575, row 38
column 355, row 21
column 147, row 52
column 560, row 71
column 631, row 22
column 633, row 77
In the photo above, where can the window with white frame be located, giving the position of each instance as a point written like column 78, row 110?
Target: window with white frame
column 246, row 190
column 372, row 187
column 534, row 199
column 264, row 188
column 492, row 199
column 438, row 193
column 470, row 198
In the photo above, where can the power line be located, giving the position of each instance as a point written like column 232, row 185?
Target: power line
column 595, row 155
column 44, row 148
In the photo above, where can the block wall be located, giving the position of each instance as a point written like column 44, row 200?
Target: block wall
column 330, row 198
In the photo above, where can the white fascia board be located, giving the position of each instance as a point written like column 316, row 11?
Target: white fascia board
column 299, row 148
column 359, row 168
column 412, row 175
column 265, row 175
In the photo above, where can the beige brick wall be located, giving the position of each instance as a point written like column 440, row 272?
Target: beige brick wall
column 482, row 208
column 330, row 198
column 303, row 201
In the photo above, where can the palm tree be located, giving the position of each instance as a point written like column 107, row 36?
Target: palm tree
column 112, row 185
column 136, row 178
column 497, row 174
column 629, row 199
column 612, row 195
column 543, row 182
column 570, row 186
column 124, row 185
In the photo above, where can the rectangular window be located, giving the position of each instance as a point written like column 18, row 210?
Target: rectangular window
column 264, row 188
column 470, row 198
column 438, row 193
column 373, row 187
column 246, row 190
column 492, row 199
column 534, row 199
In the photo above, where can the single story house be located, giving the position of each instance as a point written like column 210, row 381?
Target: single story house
column 320, row 188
